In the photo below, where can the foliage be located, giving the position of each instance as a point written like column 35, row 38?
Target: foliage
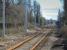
column 42, row 21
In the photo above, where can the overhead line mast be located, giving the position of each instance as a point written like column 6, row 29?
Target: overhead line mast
column 3, row 19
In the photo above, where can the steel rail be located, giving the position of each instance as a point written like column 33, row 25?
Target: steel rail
column 45, row 38
column 21, row 43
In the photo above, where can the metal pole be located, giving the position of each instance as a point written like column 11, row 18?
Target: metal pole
column 35, row 22
column 3, row 18
column 34, row 19
column 25, row 22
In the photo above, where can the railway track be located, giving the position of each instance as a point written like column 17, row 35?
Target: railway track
column 30, row 43
column 21, row 43
column 45, row 38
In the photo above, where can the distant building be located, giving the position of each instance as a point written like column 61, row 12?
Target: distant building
column 50, row 23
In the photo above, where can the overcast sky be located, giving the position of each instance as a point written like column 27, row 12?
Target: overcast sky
column 49, row 8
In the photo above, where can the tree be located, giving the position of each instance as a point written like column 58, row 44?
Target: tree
column 1, row 8
column 14, row 13
column 42, row 21
column 64, row 18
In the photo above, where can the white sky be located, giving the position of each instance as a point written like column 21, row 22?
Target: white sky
column 49, row 8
